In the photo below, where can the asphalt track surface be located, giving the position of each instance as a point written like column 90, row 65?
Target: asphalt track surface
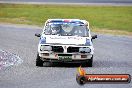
column 113, row 54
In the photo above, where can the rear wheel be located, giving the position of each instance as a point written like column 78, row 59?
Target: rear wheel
column 39, row 62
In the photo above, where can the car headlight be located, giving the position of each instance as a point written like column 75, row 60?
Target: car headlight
column 45, row 48
column 42, row 40
column 84, row 50
column 88, row 43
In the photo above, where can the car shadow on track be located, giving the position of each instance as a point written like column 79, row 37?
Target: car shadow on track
column 68, row 65
column 96, row 64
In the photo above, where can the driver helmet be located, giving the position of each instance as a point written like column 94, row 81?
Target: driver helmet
column 55, row 28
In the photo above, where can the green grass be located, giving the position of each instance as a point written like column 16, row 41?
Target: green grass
column 100, row 17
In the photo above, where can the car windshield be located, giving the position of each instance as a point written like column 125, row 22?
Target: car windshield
column 66, row 29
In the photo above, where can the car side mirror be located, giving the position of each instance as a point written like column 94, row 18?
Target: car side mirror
column 94, row 36
column 38, row 35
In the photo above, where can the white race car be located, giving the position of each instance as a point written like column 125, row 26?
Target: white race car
column 65, row 41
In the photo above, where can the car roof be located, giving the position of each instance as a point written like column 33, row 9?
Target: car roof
column 68, row 20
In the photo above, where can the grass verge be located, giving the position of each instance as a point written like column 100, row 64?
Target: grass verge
column 106, row 19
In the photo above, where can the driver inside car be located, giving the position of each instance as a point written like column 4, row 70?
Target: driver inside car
column 55, row 29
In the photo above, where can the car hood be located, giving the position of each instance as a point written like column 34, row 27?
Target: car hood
column 65, row 39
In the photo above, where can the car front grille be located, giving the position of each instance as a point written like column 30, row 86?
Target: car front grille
column 57, row 49
column 64, row 54
column 72, row 49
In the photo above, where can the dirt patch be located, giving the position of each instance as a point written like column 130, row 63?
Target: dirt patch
column 8, row 59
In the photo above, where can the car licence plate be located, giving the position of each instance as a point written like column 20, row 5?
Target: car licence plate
column 65, row 58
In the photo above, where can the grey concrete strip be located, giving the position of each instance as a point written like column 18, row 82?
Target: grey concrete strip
column 61, row 3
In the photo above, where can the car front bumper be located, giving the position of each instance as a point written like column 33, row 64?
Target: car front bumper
column 61, row 57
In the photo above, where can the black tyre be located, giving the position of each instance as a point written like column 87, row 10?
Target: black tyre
column 39, row 62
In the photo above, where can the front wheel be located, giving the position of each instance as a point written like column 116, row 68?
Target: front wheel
column 39, row 62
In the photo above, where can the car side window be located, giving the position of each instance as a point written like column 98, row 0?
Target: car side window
column 47, row 29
